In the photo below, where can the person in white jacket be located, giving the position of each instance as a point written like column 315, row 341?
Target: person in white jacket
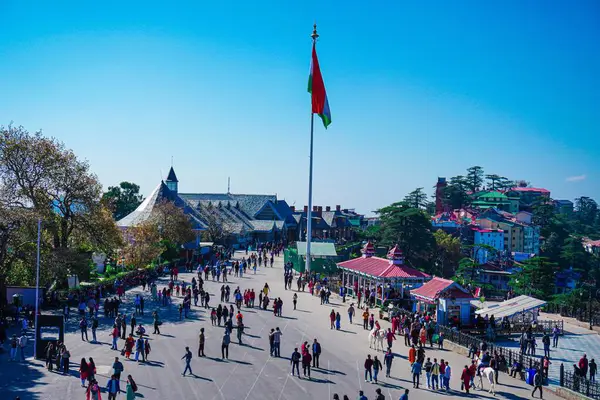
column 447, row 376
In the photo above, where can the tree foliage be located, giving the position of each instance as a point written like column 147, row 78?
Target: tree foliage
column 536, row 278
column 474, row 178
column 45, row 180
column 410, row 228
column 447, row 254
column 123, row 199
column 417, row 198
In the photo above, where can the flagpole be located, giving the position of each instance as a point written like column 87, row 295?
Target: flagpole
column 37, row 288
column 314, row 36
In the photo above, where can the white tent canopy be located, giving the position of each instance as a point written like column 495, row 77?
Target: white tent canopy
column 512, row 307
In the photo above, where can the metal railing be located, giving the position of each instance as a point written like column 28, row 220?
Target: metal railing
column 579, row 313
column 511, row 356
column 579, row 384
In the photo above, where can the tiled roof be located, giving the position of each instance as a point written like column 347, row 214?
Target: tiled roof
column 382, row 268
column 435, row 287
column 492, row 195
column 144, row 210
column 530, row 189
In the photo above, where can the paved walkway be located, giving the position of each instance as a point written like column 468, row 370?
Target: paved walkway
column 249, row 373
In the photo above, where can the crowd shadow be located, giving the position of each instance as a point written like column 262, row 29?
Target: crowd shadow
column 347, row 331
column 251, row 346
column 18, row 378
column 329, row 371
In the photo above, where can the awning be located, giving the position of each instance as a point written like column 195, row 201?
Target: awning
column 317, row 249
column 511, row 307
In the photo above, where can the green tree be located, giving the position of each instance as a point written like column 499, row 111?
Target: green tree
column 587, row 210
column 455, row 193
column 447, row 253
column 474, row 178
column 409, row 228
column 493, row 181
column 417, row 198
column 552, row 247
column 123, row 199
column 536, row 278
column 47, row 179
column 574, row 255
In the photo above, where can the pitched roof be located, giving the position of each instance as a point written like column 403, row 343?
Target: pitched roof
column 382, row 268
column 144, row 210
column 437, row 286
column 530, row 189
column 317, row 249
column 493, row 194
column 172, row 177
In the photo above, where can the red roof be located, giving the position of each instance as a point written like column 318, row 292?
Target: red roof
column 382, row 268
column 529, row 189
column 435, row 287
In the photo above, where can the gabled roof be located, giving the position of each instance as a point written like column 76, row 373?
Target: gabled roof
column 530, row 189
column 381, row 268
column 172, row 177
column 144, row 210
column 436, row 287
column 494, row 195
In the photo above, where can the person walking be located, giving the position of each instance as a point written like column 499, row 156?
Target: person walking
column 156, row 323
column 388, row 358
column 435, row 373
column 277, row 342
column 376, row 367
column 465, row 377
column 66, row 359
column 306, row 360
column 113, row 388
column 405, row 395
column 94, row 328
column 427, row 367
column 379, row 395
column 131, row 388
column 139, row 349
column 351, row 312
column 225, row 344
column 555, row 334
column 316, row 349
column 188, row 359
column 295, row 300
column 117, row 368
column 368, row 369
column 201, row 340
column 538, row 380
column 447, row 376
column 365, row 316
column 416, row 373
column 295, row 361
column 83, row 325
column 592, row 365
column 22, row 345
column 133, row 322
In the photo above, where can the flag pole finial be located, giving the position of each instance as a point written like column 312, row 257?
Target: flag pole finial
column 314, row 35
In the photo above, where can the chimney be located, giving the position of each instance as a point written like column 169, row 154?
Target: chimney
column 293, row 208
column 306, row 209
column 315, row 208
column 338, row 208
column 327, row 208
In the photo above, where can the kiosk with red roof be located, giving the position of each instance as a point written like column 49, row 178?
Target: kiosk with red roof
column 389, row 277
column 445, row 299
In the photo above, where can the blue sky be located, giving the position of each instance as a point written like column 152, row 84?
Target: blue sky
column 417, row 90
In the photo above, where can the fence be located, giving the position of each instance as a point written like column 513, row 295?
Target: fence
column 579, row 384
column 580, row 313
column 509, row 355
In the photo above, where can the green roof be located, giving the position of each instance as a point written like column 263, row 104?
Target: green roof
column 317, row 249
column 496, row 195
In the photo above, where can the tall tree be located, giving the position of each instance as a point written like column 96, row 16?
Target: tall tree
column 587, row 209
column 123, row 199
column 455, row 193
column 505, row 184
column 409, row 228
column 474, row 178
column 543, row 213
column 46, row 178
column 536, row 278
column 493, row 181
column 574, row 255
column 417, row 198
column 172, row 223
column 447, row 254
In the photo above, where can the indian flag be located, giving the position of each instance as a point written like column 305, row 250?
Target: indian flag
column 316, row 88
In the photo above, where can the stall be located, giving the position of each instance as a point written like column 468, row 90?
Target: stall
column 388, row 277
column 446, row 300
column 518, row 309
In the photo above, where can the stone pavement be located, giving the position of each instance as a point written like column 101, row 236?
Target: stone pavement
column 576, row 341
column 249, row 373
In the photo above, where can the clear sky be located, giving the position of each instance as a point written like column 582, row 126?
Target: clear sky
column 417, row 90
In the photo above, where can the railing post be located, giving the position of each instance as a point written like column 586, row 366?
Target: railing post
column 562, row 374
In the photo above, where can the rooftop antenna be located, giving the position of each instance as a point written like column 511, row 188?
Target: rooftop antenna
column 228, row 184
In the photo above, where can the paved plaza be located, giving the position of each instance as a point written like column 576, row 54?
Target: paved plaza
column 250, row 373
